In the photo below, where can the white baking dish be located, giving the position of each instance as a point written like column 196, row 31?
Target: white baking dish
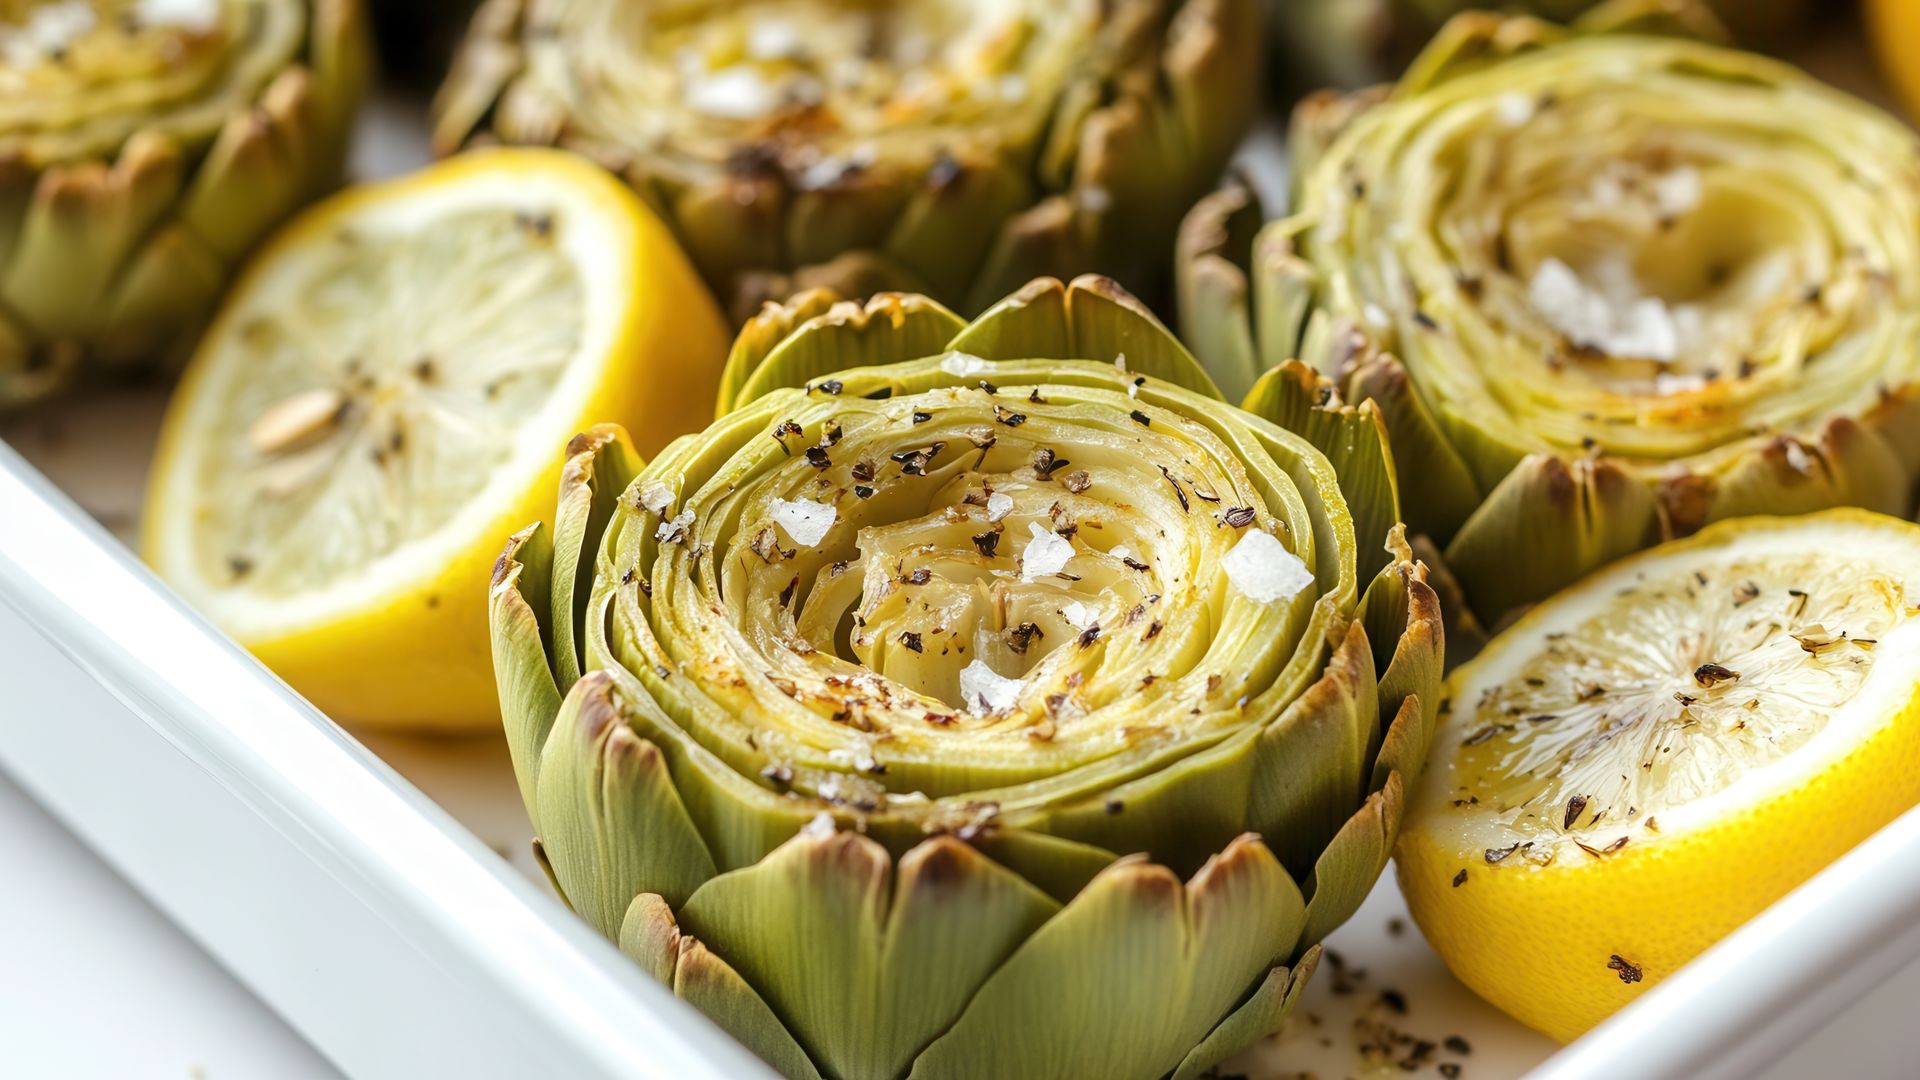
column 392, row 931
column 402, row 945
column 383, row 930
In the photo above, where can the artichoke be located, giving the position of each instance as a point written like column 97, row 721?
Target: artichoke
column 1604, row 289
column 144, row 147
column 1351, row 43
column 931, row 146
column 986, row 708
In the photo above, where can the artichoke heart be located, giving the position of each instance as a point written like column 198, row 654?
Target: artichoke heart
column 979, row 699
column 1605, row 288
column 144, row 148
column 951, row 147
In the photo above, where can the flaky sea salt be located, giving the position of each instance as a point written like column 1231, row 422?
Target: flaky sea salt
column 1677, row 191
column 963, row 364
column 1122, row 552
column 820, row 828
column 656, row 496
column 806, row 521
column 49, row 30
column 1261, row 568
column 739, row 92
column 999, row 506
column 986, row 690
column 197, row 16
column 1514, row 108
column 674, row 529
column 1665, row 384
column 1047, row 553
column 1615, row 323
column 773, row 39
column 1079, row 614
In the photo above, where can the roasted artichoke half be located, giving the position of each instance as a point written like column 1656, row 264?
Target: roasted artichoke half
column 1002, row 705
column 1352, row 43
column 144, row 148
column 949, row 147
column 1604, row 289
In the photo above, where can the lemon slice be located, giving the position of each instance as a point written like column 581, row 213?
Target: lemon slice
column 378, row 404
column 1652, row 757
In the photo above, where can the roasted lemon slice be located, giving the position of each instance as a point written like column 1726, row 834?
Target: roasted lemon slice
column 1652, row 757
column 378, row 403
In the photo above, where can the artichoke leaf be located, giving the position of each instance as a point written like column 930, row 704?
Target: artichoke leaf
column 1089, row 317
column 697, row 976
column 1263, row 1015
column 888, row 328
column 529, row 696
column 1545, row 526
column 600, row 463
column 612, row 823
column 1346, row 871
column 867, row 963
column 1138, row 943
column 1313, row 758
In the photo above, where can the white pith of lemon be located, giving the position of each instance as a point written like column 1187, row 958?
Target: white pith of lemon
column 1655, row 755
column 385, row 395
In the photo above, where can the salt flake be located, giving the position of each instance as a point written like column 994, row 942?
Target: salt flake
column 1046, row 554
column 820, row 828
column 983, row 688
column 1262, row 569
column 656, row 496
column 1514, row 108
column 963, row 364
column 1678, row 191
column 196, row 16
column 675, row 528
column 739, row 92
column 1079, row 614
column 1614, row 321
column 773, row 39
column 806, row 521
column 999, row 506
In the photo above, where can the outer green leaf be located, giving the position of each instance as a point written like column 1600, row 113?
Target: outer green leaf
column 1262, row 1016
column 1091, row 317
column 1173, row 959
column 709, row 984
column 612, row 824
column 600, row 463
column 867, row 967
column 529, row 697
column 887, row 329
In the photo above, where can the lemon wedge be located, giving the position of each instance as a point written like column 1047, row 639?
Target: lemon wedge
column 378, row 403
column 1653, row 756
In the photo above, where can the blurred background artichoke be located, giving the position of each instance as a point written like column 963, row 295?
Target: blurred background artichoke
column 144, row 149
column 1605, row 288
column 945, row 147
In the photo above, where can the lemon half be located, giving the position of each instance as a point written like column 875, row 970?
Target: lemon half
column 379, row 402
column 1655, row 755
